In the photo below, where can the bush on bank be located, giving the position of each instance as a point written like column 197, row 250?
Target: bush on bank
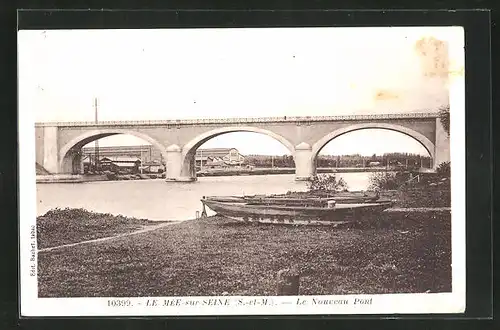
column 387, row 180
column 327, row 183
column 444, row 170
column 401, row 180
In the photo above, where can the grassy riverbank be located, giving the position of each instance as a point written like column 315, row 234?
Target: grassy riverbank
column 66, row 226
column 216, row 256
column 419, row 197
column 398, row 252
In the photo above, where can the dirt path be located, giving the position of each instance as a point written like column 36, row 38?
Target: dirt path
column 140, row 231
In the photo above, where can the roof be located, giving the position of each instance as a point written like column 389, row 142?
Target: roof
column 144, row 147
column 121, row 159
column 203, row 158
column 125, row 164
column 151, row 164
column 214, row 152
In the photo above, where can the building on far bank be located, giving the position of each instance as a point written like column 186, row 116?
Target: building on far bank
column 152, row 167
column 218, row 158
column 120, row 164
column 373, row 164
column 151, row 158
column 113, row 164
column 146, row 153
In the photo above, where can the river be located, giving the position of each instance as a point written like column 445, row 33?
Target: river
column 160, row 200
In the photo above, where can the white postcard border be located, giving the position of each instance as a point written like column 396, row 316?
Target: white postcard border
column 429, row 303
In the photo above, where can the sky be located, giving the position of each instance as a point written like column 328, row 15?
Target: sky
column 219, row 73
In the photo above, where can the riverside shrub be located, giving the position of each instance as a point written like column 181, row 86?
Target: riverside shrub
column 444, row 170
column 327, row 183
column 387, row 180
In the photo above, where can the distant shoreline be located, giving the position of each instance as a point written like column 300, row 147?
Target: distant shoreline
column 78, row 178
column 69, row 178
column 291, row 170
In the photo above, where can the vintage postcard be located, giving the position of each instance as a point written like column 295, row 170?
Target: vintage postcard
column 242, row 171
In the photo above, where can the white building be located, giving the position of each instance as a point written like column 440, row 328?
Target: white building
column 218, row 157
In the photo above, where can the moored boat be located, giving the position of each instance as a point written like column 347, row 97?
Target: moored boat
column 303, row 199
column 313, row 197
column 308, row 201
column 328, row 213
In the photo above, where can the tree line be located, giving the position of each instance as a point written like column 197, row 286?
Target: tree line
column 356, row 160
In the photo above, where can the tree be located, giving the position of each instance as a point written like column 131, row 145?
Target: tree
column 444, row 116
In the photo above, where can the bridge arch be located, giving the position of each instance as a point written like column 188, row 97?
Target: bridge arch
column 189, row 149
column 424, row 141
column 66, row 153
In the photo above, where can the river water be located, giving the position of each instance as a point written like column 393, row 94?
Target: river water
column 160, row 200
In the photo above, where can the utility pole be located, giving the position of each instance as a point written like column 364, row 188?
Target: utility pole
column 96, row 141
column 272, row 161
column 201, row 159
column 141, row 161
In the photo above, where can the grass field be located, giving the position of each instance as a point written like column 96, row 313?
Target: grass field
column 66, row 226
column 214, row 256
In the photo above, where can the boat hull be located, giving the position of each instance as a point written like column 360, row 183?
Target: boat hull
column 295, row 215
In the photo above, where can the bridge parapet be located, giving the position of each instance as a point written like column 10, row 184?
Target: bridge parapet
column 248, row 120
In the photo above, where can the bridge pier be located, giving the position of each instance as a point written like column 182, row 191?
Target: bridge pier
column 72, row 163
column 175, row 168
column 305, row 168
column 442, row 145
column 50, row 150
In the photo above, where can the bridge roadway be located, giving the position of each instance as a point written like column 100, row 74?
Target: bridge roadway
column 58, row 144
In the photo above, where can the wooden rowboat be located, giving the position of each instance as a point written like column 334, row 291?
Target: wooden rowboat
column 308, row 198
column 288, row 200
column 308, row 201
column 331, row 214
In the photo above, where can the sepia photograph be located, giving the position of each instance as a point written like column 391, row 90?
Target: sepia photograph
column 242, row 171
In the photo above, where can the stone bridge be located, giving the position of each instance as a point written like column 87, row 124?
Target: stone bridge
column 58, row 144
